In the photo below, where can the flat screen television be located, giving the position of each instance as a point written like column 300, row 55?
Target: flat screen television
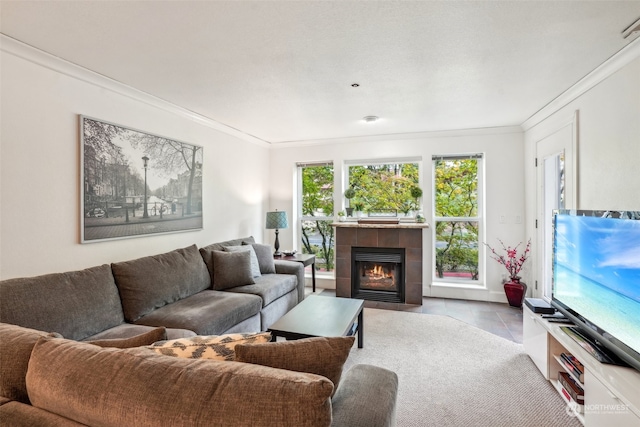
column 596, row 280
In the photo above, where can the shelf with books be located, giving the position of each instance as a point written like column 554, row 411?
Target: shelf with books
column 555, row 377
column 572, row 366
column 609, row 393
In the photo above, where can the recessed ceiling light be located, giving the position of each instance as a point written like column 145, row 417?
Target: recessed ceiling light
column 355, row 85
column 370, row 119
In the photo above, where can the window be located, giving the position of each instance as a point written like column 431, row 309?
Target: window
column 457, row 217
column 391, row 187
column 315, row 200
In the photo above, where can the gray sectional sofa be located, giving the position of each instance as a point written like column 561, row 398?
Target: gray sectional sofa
column 183, row 290
column 49, row 375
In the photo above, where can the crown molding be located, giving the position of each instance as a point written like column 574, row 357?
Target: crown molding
column 401, row 136
column 62, row 66
column 622, row 58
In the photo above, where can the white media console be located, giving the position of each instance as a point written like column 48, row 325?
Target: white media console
column 611, row 393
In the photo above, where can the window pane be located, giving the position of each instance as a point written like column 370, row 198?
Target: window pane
column 457, row 249
column 317, row 190
column 385, row 187
column 456, row 188
column 317, row 239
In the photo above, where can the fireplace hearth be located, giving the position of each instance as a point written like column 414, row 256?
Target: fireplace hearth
column 406, row 286
column 378, row 274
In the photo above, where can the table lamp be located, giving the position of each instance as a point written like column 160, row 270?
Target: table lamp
column 277, row 220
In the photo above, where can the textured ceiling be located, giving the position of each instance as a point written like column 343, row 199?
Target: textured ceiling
column 282, row 70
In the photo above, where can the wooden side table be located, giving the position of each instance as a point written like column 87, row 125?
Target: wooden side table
column 305, row 259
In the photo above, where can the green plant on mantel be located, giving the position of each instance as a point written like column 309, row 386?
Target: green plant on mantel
column 349, row 193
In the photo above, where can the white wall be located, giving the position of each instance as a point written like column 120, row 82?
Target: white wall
column 40, row 173
column 608, row 141
column 503, row 149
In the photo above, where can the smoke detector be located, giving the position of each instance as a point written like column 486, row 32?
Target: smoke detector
column 370, row 119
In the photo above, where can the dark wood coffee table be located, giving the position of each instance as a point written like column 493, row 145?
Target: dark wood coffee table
column 318, row 316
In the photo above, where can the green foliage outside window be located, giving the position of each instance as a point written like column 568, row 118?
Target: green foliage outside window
column 317, row 201
column 456, row 203
column 385, row 187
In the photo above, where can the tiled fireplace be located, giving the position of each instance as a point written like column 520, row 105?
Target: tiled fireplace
column 379, row 262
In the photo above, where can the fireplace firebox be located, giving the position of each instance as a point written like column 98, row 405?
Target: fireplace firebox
column 378, row 274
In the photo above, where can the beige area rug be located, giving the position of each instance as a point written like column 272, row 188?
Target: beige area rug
column 454, row 374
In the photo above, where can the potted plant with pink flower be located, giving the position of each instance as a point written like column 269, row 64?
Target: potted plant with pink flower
column 513, row 262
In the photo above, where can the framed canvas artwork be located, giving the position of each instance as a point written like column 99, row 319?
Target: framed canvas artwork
column 135, row 183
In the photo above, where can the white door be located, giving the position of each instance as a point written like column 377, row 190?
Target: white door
column 556, row 183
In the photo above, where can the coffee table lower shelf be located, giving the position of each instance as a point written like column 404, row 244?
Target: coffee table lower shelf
column 320, row 316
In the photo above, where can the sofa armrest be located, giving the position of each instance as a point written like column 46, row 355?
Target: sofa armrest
column 292, row 267
column 366, row 398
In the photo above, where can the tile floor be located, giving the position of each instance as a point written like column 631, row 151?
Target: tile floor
column 497, row 318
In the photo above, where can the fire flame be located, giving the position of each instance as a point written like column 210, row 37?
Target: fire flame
column 377, row 272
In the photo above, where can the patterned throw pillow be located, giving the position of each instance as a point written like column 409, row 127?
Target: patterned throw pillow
column 217, row 347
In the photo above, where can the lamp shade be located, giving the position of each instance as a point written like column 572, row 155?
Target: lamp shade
column 277, row 220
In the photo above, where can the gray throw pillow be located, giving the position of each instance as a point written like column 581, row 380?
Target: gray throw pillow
column 255, row 267
column 231, row 269
column 265, row 258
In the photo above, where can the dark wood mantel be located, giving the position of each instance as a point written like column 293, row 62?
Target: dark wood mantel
column 406, row 235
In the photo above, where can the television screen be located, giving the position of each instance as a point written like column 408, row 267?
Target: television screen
column 596, row 277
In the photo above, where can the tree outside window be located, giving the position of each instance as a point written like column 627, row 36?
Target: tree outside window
column 457, row 220
column 389, row 187
column 316, row 202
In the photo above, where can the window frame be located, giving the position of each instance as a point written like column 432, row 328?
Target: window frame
column 300, row 218
column 452, row 282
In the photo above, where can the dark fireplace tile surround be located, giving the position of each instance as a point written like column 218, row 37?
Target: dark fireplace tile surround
column 383, row 236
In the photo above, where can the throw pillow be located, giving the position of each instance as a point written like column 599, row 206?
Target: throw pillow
column 320, row 355
column 147, row 338
column 255, row 266
column 231, row 269
column 265, row 257
column 217, row 347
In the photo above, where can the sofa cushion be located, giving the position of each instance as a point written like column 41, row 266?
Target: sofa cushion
column 216, row 347
column 320, row 355
column 205, row 313
column 16, row 414
column 231, row 269
column 255, row 266
column 151, row 282
column 269, row 287
column 114, row 387
column 146, row 338
column 265, row 258
column 205, row 251
column 16, row 344
column 76, row 304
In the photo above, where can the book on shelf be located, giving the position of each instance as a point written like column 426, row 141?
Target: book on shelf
column 576, row 406
column 571, row 387
column 573, row 365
